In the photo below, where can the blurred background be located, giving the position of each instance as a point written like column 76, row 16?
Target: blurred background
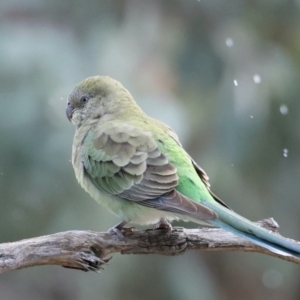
column 225, row 76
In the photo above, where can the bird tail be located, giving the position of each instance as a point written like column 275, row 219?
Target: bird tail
column 240, row 226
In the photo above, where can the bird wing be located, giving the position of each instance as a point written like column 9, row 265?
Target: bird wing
column 201, row 173
column 125, row 161
column 205, row 179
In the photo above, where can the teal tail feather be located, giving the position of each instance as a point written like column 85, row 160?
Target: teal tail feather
column 240, row 226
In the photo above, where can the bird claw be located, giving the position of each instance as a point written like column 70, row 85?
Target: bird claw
column 116, row 231
column 164, row 225
column 119, row 231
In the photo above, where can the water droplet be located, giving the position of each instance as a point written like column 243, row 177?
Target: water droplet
column 272, row 279
column 251, row 117
column 257, row 79
column 235, row 82
column 284, row 109
column 229, row 42
column 285, row 152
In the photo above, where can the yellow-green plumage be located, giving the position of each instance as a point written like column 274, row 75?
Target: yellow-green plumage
column 136, row 167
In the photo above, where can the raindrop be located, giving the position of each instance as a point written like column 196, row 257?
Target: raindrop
column 235, row 82
column 229, row 42
column 251, row 117
column 285, row 152
column 284, row 109
column 257, row 79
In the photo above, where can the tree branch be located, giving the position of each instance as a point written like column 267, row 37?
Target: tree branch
column 87, row 250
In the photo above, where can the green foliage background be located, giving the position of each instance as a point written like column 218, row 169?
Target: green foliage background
column 179, row 59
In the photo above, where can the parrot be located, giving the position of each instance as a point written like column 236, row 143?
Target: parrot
column 135, row 166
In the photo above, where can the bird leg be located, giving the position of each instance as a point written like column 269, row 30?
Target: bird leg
column 119, row 229
column 163, row 224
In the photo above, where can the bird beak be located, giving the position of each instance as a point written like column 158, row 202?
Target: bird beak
column 69, row 111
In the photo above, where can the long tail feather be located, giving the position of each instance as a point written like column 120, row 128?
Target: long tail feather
column 244, row 228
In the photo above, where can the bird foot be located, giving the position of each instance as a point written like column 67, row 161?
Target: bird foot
column 163, row 224
column 116, row 231
column 119, row 229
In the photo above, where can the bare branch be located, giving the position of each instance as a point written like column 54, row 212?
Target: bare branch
column 87, row 250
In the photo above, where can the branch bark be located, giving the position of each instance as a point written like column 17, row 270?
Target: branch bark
column 88, row 250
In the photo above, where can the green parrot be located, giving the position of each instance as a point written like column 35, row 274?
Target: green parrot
column 136, row 167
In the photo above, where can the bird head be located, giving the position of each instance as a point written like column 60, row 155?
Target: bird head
column 96, row 97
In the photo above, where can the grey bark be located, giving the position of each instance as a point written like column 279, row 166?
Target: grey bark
column 88, row 250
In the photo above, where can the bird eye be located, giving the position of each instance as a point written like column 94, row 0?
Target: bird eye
column 68, row 103
column 84, row 99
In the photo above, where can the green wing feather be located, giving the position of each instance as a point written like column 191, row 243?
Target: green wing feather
column 123, row 160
